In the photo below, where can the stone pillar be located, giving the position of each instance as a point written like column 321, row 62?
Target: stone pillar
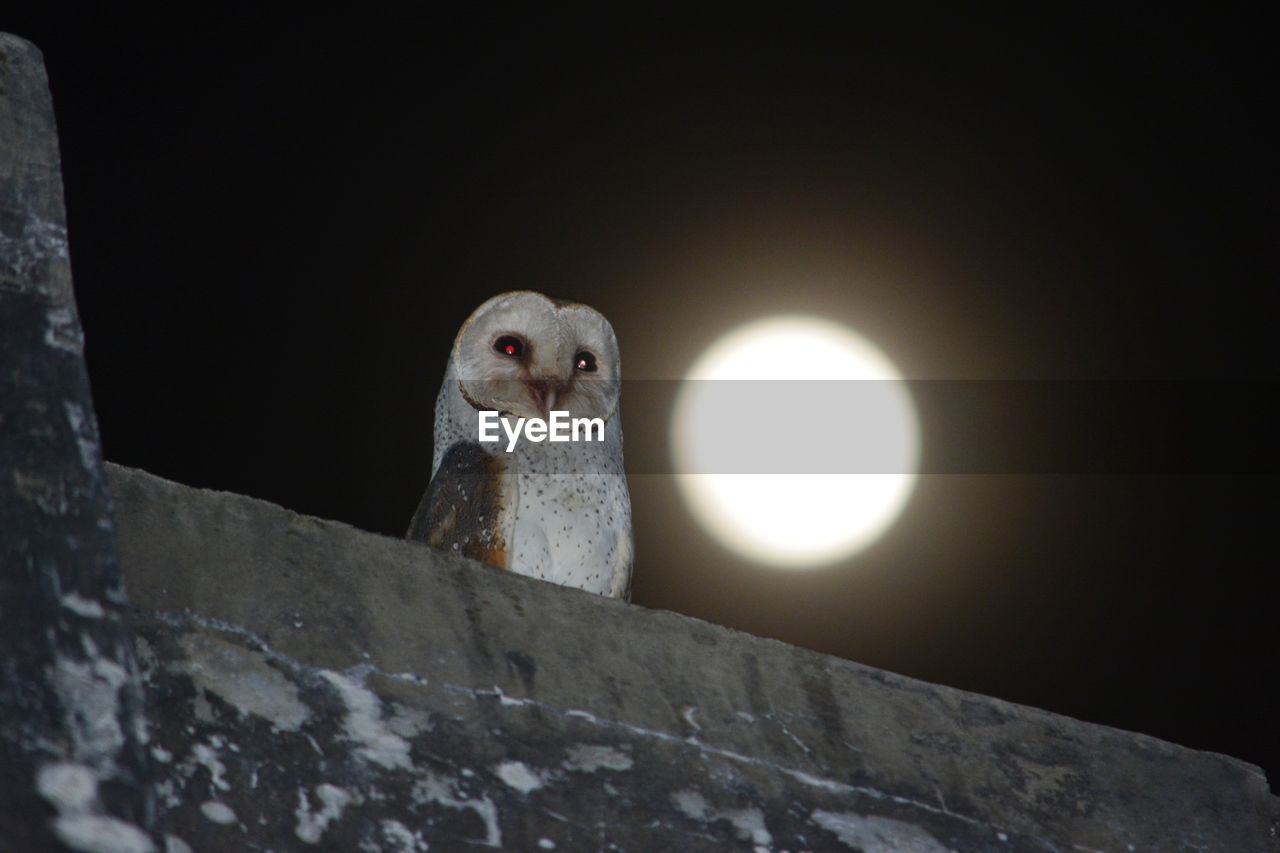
column 73, row 766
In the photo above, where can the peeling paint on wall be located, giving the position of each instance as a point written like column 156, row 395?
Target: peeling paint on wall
column 517, row 775
column 72, row 789
column 312, row 824
column 364, row 724
column 872, row 834
column 748, row 823
column 244, row 680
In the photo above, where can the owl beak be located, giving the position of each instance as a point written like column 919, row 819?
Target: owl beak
column 545, row 393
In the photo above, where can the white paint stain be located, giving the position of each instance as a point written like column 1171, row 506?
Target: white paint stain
column 90, row 694
column 311, row 825
column 751, row 826
column 218, row 812
column 408, row 722
column 90, row 833
column 588, row 758
column 40, row 240
column 174, row 844
column 72, row 789
column 209, row 758
column 504, row 699
column 546, row 844
column 364, row 725
column 167, row 793
column 442, row 790
column 82, row 427
column 86, row 607
column 62, row 332
column 243, row 679
column 517, row 775
column 874, row 834
column 401, row 839
column 67, row 787
column 748, row 823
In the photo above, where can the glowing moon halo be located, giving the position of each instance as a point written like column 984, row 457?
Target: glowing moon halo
column 869, row 430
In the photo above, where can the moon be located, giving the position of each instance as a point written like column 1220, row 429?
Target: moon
column 811, row 458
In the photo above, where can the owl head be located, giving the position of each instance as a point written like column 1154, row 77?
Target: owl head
column 525, row 354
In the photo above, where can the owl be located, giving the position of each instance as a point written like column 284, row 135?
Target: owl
column 559, row 511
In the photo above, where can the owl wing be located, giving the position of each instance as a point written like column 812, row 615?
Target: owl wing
column 621, row 584
column 469, row 505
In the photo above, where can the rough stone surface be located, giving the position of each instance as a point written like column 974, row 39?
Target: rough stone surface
column 313, row 684
column 72, row 765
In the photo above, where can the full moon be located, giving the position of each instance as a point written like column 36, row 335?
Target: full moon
column 810, row 460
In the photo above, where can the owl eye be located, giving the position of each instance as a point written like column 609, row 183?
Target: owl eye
column 585, row 361
column 509, row 345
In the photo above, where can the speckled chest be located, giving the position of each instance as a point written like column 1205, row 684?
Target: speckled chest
column 573, row 515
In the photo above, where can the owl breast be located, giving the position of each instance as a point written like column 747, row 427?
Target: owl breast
column 573, row 517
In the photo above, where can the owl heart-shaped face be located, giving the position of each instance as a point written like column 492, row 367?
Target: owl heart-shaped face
column 526, row 355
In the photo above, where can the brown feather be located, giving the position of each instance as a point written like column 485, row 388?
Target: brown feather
column 462, row 510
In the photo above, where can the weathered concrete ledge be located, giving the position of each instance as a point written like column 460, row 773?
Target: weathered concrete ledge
column 313, row 684
column 73, row 769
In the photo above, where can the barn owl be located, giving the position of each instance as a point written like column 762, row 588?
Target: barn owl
column 559, row 511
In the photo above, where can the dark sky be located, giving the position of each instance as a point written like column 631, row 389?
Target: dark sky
column 278, row 225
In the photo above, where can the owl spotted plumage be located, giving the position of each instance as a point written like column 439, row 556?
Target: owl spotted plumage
column 559, row 511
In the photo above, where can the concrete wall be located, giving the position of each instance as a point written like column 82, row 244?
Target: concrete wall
column 72, row 765
column 311, row 682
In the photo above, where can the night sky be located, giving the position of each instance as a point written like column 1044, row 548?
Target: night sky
column 277, row 227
